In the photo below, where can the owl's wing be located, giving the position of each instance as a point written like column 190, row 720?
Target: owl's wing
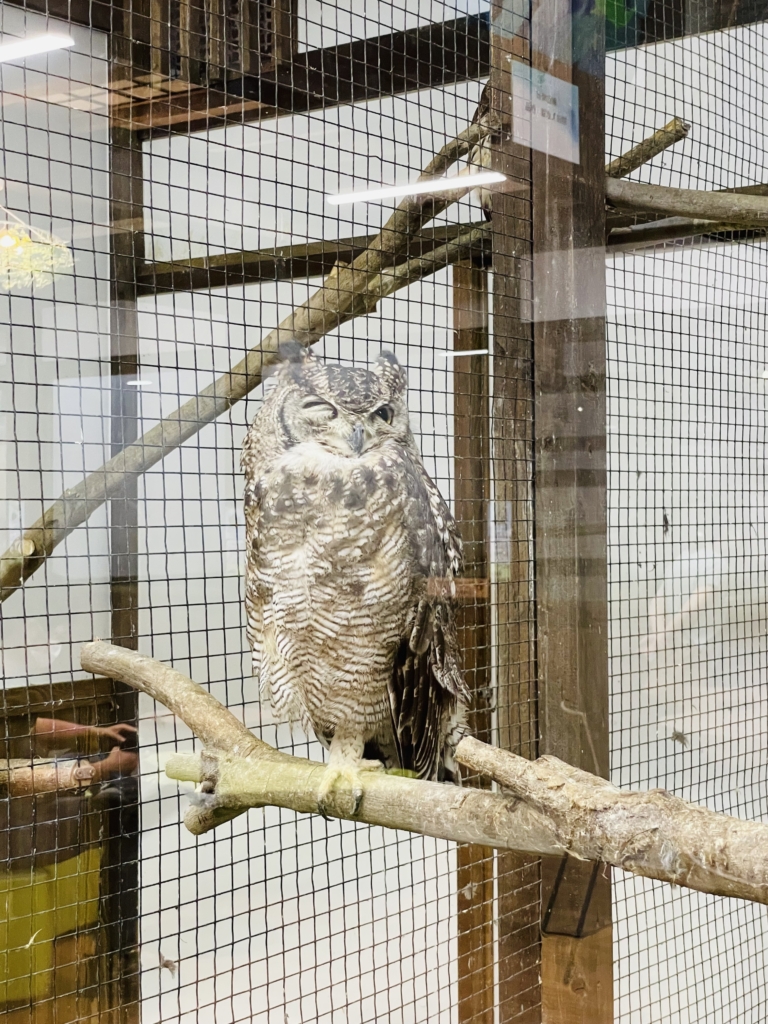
column 253, row 600
column 427, row 689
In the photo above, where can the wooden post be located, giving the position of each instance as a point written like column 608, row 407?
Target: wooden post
column 518, row 878
column 120, row 885
column 570, row 498
column 475, row 864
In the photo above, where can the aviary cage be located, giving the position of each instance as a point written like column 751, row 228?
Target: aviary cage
column 587, row 365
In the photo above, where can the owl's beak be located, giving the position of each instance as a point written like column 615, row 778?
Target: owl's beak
column 356, row 439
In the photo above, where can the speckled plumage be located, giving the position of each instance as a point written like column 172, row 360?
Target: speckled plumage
column 351, row 553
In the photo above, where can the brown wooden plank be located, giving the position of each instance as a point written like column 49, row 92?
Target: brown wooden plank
column 120, row 867
column 577, row 978
column 430, row 56
column 283, row 263
column 127, row 255
column 518, row 883
column 475, row 864
column 569, row 340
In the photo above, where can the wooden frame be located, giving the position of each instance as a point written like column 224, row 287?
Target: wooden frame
column 570, row 502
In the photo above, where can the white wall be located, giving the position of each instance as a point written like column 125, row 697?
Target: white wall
column 54, row 402
column 688, row 362
column 255, row 186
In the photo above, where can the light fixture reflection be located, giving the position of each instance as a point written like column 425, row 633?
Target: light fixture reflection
column 419, row 188
column 32, row 45
column 29, row 256
column 453, row 354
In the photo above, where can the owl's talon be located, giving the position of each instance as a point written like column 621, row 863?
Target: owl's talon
column 341, row 792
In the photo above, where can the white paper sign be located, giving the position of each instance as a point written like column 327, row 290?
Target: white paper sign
column 545, row 112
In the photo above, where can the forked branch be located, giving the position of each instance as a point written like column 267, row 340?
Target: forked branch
column 546, row 807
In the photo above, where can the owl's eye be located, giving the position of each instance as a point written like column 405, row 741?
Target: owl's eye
column 318, row 409
column 386, row 413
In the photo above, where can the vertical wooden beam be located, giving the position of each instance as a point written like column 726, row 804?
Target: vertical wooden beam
column 475, row 864
column 569, row 344
column 121, row 866
column 127, row 254
column 518, row 880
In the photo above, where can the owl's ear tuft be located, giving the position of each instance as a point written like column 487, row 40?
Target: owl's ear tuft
column 293, row 352
column 389, row 369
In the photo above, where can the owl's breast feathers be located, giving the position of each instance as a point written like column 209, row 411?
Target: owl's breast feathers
column 345, row 628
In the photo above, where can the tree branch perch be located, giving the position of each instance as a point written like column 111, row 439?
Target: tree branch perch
column 547, row 807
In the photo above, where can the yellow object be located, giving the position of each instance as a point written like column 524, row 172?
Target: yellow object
column 35, row 909
column 29, row 256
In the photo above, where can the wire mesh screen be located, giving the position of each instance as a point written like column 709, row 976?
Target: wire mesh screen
column 192, row 238
column 164, row 208
column 687, row 355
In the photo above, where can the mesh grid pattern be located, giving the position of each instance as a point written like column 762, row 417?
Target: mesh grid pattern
column 687, row 522
column 292, row 919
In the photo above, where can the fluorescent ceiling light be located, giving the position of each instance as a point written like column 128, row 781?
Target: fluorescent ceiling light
column 28, row 47
column 464, row 352
column 419, row 187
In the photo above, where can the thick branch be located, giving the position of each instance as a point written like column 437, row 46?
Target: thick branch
column 651, row 833
column 240, row 771
column 548, row 808
column 429, row 808
column 734, row 208
column 214, row 724
column 672, row 132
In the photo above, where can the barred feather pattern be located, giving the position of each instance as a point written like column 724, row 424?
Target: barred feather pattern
column 344, row 531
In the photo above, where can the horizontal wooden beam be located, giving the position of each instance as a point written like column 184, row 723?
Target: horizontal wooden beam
column 284, row 263
column 678, row 229
column 428, row 57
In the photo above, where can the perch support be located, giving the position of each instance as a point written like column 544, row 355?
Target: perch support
column 546, row 806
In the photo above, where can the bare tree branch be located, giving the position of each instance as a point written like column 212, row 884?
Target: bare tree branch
column 734, row 208
column 672, row 132
column 548, row 807
column 649, row 833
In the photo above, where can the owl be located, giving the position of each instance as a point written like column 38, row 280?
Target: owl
column 480, row 156
column 351, row 557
